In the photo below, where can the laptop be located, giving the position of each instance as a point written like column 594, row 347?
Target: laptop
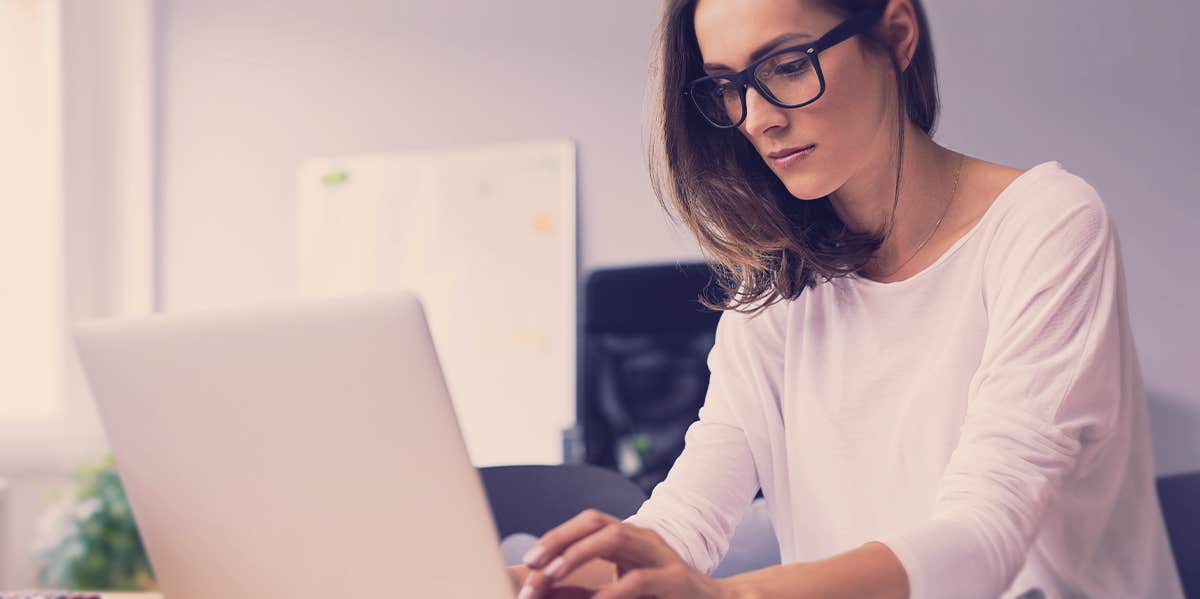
column 294, row 449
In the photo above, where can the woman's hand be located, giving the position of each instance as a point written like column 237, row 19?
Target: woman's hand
column 580, row 584
column 646, row 565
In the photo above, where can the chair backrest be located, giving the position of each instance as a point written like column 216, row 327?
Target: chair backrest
column 534, row 499
column 643, row 372
column 1179, row 495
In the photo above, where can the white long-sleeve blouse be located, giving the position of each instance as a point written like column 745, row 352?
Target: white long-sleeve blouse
column 984, row 418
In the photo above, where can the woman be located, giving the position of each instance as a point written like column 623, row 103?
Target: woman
column 925, row 361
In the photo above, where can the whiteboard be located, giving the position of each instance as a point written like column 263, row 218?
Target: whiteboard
column 486, row 236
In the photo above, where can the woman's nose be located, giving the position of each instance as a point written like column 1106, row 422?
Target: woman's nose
column 761, row 114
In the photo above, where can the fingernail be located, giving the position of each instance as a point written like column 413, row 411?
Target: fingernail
column 534, row 556
column 555, row 566
column 526, row 592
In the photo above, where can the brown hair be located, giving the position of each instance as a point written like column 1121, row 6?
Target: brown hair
column 764, row 244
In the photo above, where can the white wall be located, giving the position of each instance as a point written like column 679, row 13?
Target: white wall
column 250, row 90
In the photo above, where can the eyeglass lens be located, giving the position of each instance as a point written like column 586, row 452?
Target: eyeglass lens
column 789, row 78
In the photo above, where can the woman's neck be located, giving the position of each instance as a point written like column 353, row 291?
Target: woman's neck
column 865, row 202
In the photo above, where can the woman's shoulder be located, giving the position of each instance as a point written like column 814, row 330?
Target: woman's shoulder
column 1048, row 217
column 1046, row 197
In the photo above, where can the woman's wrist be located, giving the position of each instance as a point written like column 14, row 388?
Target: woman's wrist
column 738, row 589
column 869, row 571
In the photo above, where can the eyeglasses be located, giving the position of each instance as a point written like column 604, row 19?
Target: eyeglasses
column 788, row 78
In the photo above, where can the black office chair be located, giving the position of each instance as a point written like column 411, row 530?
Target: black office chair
column 643, row 367
column 1179, row 495
column 534, row 499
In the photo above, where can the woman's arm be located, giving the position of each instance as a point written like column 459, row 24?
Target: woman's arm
column 710, row 486
column 868, row 572
column 683, row 530
column 649, row 566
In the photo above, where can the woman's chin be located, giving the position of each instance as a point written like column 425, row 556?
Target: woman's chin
column 804, row 186
column 804, row 192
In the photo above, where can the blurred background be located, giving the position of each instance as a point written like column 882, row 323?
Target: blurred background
column 158, row 154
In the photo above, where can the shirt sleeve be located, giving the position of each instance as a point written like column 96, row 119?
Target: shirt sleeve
column 1042, row 402
column 711, row 484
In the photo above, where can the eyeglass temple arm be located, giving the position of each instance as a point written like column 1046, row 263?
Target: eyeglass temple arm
column 858, row 22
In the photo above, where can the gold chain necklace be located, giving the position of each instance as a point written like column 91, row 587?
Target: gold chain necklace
column 953, row 194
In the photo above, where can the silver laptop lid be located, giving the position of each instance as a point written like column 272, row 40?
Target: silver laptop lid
column 299, row 449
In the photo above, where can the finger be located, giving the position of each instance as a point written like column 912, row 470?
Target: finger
column 616, row 542
column 656, row 582
column 558, row 538
column 569, row 593
column 593, row 575
column 536, row 586
column 539, row 586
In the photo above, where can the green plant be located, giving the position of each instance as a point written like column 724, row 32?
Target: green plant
column 87, row 538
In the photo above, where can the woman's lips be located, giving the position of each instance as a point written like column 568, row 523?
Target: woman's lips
column 794, row 157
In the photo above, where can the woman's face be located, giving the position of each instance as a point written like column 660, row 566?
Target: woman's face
column 849, row 123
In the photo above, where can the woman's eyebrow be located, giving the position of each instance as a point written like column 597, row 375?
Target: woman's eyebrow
column 762, row 50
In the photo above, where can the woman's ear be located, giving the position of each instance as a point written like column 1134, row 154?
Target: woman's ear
column 900, row 31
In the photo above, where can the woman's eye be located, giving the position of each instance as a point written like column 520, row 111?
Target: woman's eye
column 790, row 68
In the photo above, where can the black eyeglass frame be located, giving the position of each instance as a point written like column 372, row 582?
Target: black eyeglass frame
column 853, row 25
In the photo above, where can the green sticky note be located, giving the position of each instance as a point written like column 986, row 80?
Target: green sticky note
column 335, row 178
